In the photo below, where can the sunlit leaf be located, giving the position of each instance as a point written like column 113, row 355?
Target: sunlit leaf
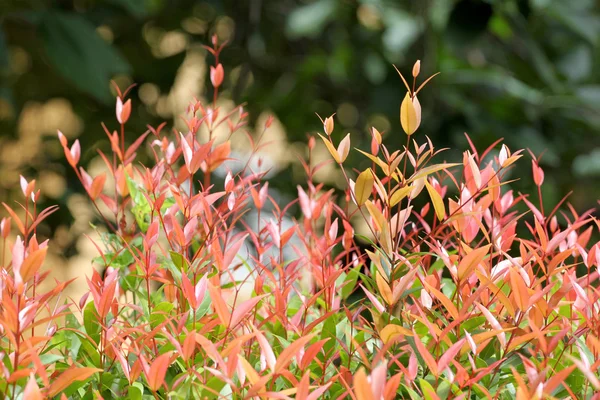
column 363, row 186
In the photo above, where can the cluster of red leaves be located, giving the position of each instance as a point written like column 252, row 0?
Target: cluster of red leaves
column 216, row 290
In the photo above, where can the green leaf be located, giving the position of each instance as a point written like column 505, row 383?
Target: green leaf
column 141, row 209
column 204, row 307
column 77, row 52
column 135, row 391
column 159, row 313
column 179, row 261
column 427, row 389
column 91, row 323
column 48, row 359
column 329, row 332
column 350, row 282
column 413, row 395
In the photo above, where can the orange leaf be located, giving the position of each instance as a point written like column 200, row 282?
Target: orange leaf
column 32, row 390
column 15, row 218
column 557, row 378
column 498, row 293
column 288, row 353
column 219, row 304
column 426, row 355
column 384, row 289
column 448, row 305
column 156, row 375
column 97, row 186
column 519, row 290
column 68, row 377
column 218, row 155
column 521, row 339
column 362, row 388
column 18, row 374
column 32, row 263
column 471, row 261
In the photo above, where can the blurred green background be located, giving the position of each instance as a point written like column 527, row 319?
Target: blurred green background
column 523, row 70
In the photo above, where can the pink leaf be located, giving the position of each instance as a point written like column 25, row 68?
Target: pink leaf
column 240, row 311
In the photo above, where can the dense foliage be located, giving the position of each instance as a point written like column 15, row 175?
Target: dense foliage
column 524, row 70
column 217, row 291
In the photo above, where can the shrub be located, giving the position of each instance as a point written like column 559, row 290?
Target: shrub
column 216, row 290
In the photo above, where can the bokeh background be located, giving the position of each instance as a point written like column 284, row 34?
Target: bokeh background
column 523, row 70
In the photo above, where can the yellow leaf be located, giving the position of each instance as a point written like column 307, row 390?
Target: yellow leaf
column 430, row 170
column 363, row 186
column 332, row 150
column 391, row 332
column 377, row 161
column 377, row 215
column 400, row 194
column 438, row 203
column 408, row 115
column 251, row 373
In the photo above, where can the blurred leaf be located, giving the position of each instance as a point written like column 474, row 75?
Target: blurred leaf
column 587, row 164
column 79, row 54
column 375, row 68
column 576, row 64
column 582, row 22
column 4, row 62
column 498, row 80
column 589, row 93
column 402, row 31
column 539, row 59
column 439, row 12
column 137, row 8
column 309, row 20
column 500, row 27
